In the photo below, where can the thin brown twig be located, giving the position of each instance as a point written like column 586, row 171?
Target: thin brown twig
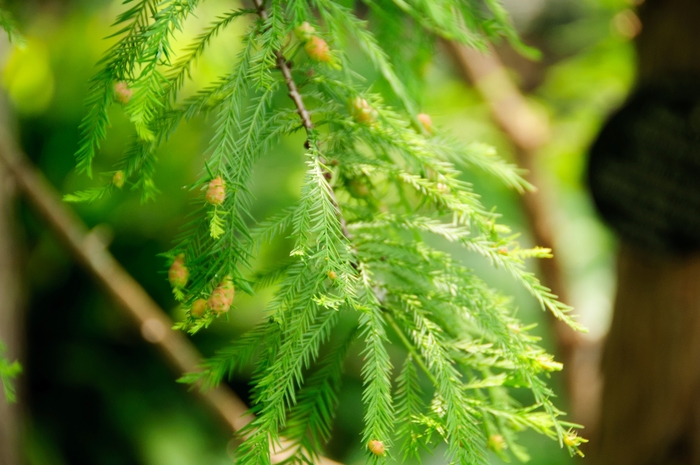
column 304, row 114
column 294, row 92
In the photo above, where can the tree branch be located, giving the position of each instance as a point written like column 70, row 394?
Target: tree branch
column 91, row 252
column 294, row 92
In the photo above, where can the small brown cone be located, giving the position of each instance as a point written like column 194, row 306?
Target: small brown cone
column 318, row 50
column 376, row 447
column 304, row 31
column 426, row 121
column 118, row 179
column 362, row 111
column 216, row 192
column 222, row 297
column 178, row 274
column 199, row 307
column 122, row 92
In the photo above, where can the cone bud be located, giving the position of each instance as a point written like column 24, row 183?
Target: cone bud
column 425, row 120
column 118, row 179
column 357, row 188
column 318, row 50
column 216, row 192
column 199, row 306
column 304, row 31
column 332, row 275
column 376, row 447
column 222, row 297
column 570, row 439
column 178, row 274
column 496, row 443
column 362, row 111
column 573, row 440
column 546, row 363
column 122, row 92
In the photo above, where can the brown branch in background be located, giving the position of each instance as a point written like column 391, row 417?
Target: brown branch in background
column 92, row 253
column 528, row 133
column 11, row 322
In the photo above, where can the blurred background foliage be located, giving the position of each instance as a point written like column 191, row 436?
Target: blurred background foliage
column 94, row 392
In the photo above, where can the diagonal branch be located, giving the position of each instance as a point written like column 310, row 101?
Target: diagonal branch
column 91, row 252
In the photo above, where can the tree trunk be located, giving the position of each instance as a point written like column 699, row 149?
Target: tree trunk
column 651, row 362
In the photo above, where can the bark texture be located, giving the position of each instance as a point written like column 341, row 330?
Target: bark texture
column 650, row 411
column 651, row 364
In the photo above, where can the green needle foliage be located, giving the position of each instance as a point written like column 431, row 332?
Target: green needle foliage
column 381, row 189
